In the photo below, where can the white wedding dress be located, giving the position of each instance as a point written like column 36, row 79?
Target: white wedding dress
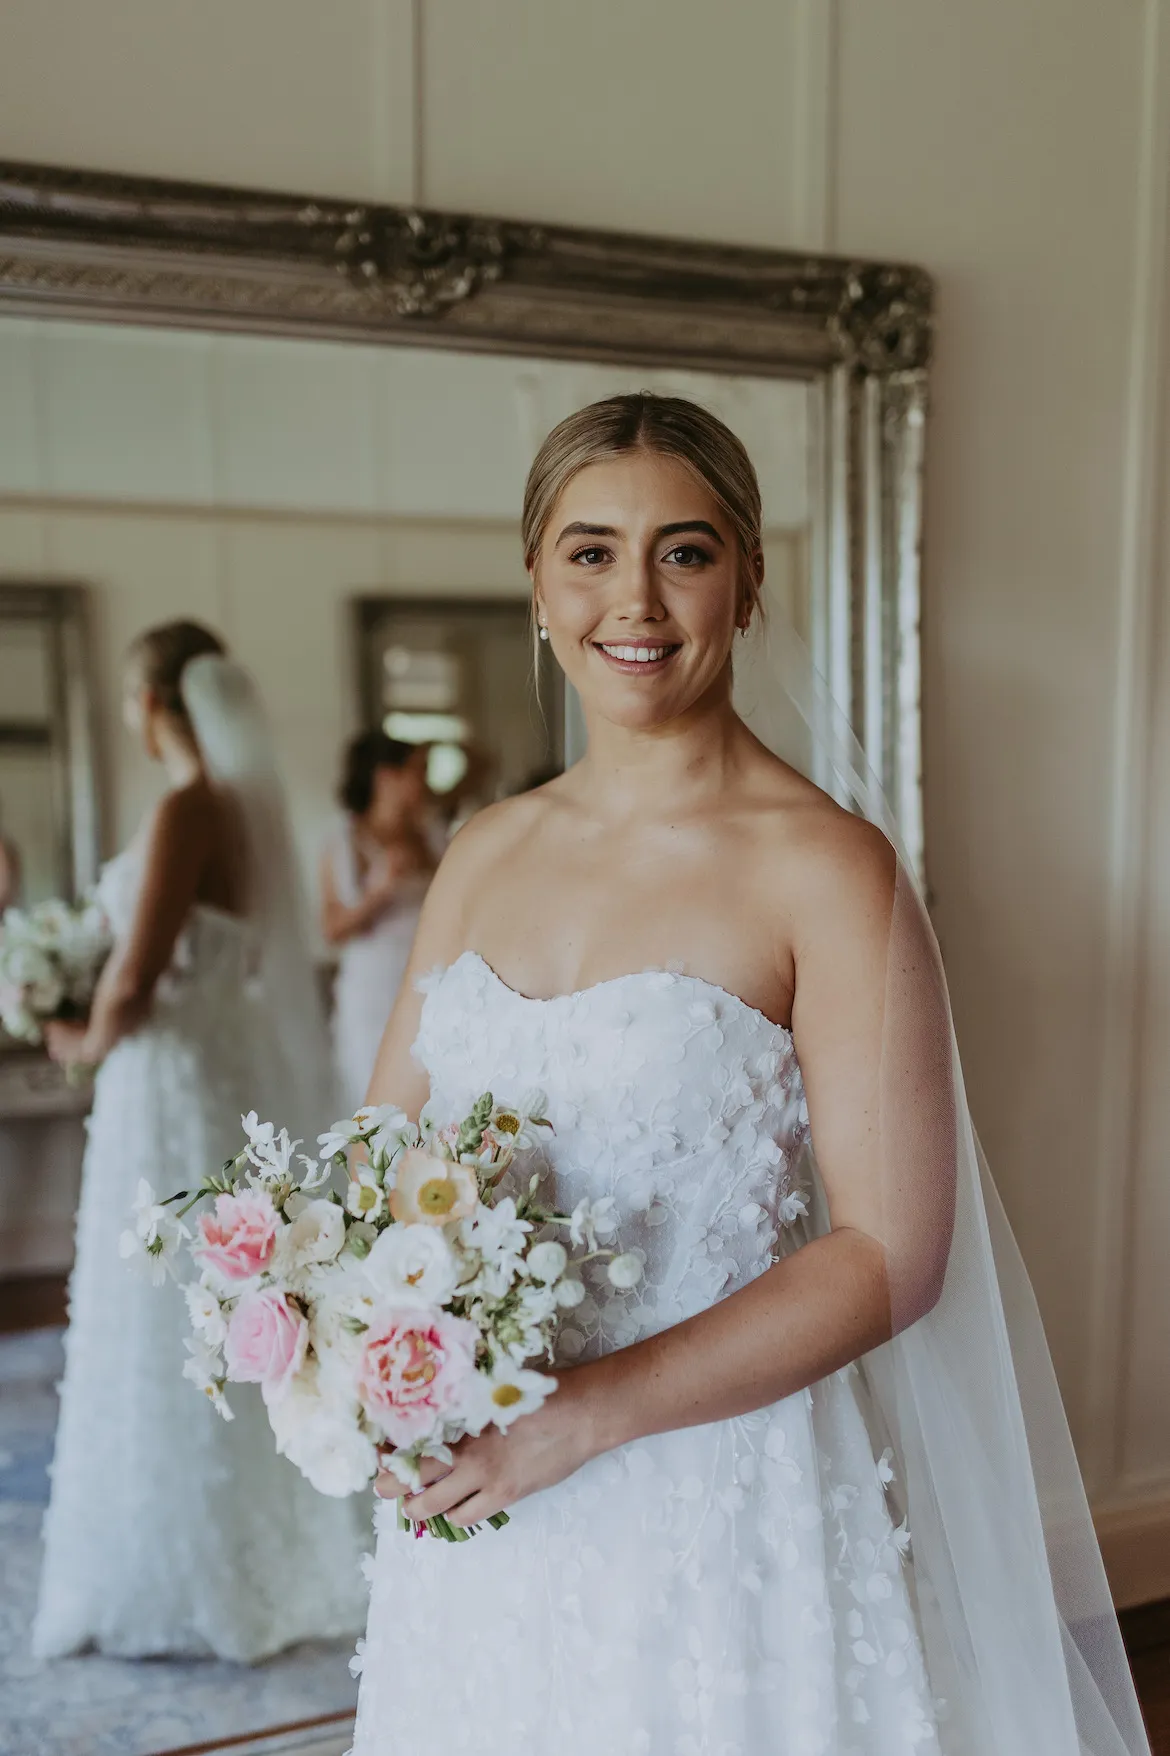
column 169, row 1531
column 370, row 967
column 738, row 1589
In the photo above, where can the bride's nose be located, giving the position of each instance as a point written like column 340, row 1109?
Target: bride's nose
column 636, row 593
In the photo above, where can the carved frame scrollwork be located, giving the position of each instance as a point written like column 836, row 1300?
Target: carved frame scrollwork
column 142, row 250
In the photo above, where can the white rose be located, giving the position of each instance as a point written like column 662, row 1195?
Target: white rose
column 625, row 1271
column 315, row 1235
column 412, row 1265
column 547, row 1261
column 319, row 1433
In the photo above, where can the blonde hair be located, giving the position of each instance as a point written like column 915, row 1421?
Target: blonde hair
column 669, row 426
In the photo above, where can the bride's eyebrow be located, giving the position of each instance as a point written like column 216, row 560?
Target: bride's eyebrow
column 689, row 524
column 664, row 530
column 587, row 530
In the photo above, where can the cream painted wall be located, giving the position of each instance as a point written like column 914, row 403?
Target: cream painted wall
column 1018, row 149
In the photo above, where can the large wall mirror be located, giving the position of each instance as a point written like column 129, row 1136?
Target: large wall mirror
column 309, row 423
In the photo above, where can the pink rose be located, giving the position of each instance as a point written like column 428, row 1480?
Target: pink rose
column 240, row 1236
column 413, row 1370
column 266, row 1341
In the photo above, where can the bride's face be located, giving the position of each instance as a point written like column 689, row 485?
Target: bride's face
column 638, row 581
column 138, row 715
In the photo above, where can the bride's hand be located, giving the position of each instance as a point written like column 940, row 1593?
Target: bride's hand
column 65, row 1041
column 494, row 1471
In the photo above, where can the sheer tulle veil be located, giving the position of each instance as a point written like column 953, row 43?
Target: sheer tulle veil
column 1020, row 1635
column 233, row 735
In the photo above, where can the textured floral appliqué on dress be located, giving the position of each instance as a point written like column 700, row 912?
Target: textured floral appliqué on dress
column 737, row 1589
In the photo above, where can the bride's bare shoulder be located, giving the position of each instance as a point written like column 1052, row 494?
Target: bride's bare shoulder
column 822, row 856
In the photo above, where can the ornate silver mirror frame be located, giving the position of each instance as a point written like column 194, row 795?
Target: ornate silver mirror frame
column 140, row 250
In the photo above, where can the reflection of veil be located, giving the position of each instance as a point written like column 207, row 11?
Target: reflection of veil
column 236, row 744
column 1019, row 1631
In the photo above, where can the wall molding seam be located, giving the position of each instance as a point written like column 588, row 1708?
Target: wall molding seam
column 1130, row 779
column 418, row 121
column 814, row 129
column 1135, row 1547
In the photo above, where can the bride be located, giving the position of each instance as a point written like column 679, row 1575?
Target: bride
column 169, row 1531
column 783, row 1502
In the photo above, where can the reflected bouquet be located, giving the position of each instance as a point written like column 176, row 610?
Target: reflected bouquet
column 387, row 1297
column 50, row 958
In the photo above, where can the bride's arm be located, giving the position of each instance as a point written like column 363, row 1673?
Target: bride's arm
column 179, row 844
column 873, row 1038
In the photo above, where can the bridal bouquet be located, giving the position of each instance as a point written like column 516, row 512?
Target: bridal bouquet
column 387, row 1298
column 50, row 958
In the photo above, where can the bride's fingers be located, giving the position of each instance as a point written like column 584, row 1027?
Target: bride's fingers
column 477, row 1510
column 456, row 1486
column 388, row 1486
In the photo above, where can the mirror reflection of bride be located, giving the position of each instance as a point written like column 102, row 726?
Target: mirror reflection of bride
column 168, row 1530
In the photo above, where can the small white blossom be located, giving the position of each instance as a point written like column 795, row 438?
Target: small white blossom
column 387, row 1126
column 206, row 1313
column 547, row 1261
column 205, row 1370
column 592, row 1220
column 569, row 1293
column 499, row 1236
column 625, row 1271
column 156, row 1236
column 340, row 1137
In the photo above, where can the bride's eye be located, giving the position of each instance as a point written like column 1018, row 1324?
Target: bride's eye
column 593, row 556
column 686, row 555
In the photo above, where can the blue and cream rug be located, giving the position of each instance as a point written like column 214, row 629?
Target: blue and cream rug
column 94, row 1706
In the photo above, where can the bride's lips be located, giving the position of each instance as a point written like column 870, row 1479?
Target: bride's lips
column 636, row 658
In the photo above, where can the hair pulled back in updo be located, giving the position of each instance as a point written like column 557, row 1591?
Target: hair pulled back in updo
column 164, row 652
column 364, row 756
column 670, row 426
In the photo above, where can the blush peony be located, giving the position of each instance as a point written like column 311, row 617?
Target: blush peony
column 238, row 1239
column 414, row 1369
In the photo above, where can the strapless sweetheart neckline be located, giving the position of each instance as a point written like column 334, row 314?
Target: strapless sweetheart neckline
column 636, row 975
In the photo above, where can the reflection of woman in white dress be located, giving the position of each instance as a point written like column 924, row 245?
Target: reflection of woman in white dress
column 374, row 876
column 782, row 1503
column 168, row 1530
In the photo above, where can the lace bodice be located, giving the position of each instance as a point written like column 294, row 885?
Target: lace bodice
column 665, row 1092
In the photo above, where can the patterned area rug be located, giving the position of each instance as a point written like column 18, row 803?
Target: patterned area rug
column 94, row 1706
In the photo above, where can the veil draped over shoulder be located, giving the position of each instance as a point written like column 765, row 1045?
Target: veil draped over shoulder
column 1019, row 1632
column 232, row 731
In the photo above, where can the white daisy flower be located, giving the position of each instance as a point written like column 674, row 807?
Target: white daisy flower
column 364, row 1196
column 510, row 1390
